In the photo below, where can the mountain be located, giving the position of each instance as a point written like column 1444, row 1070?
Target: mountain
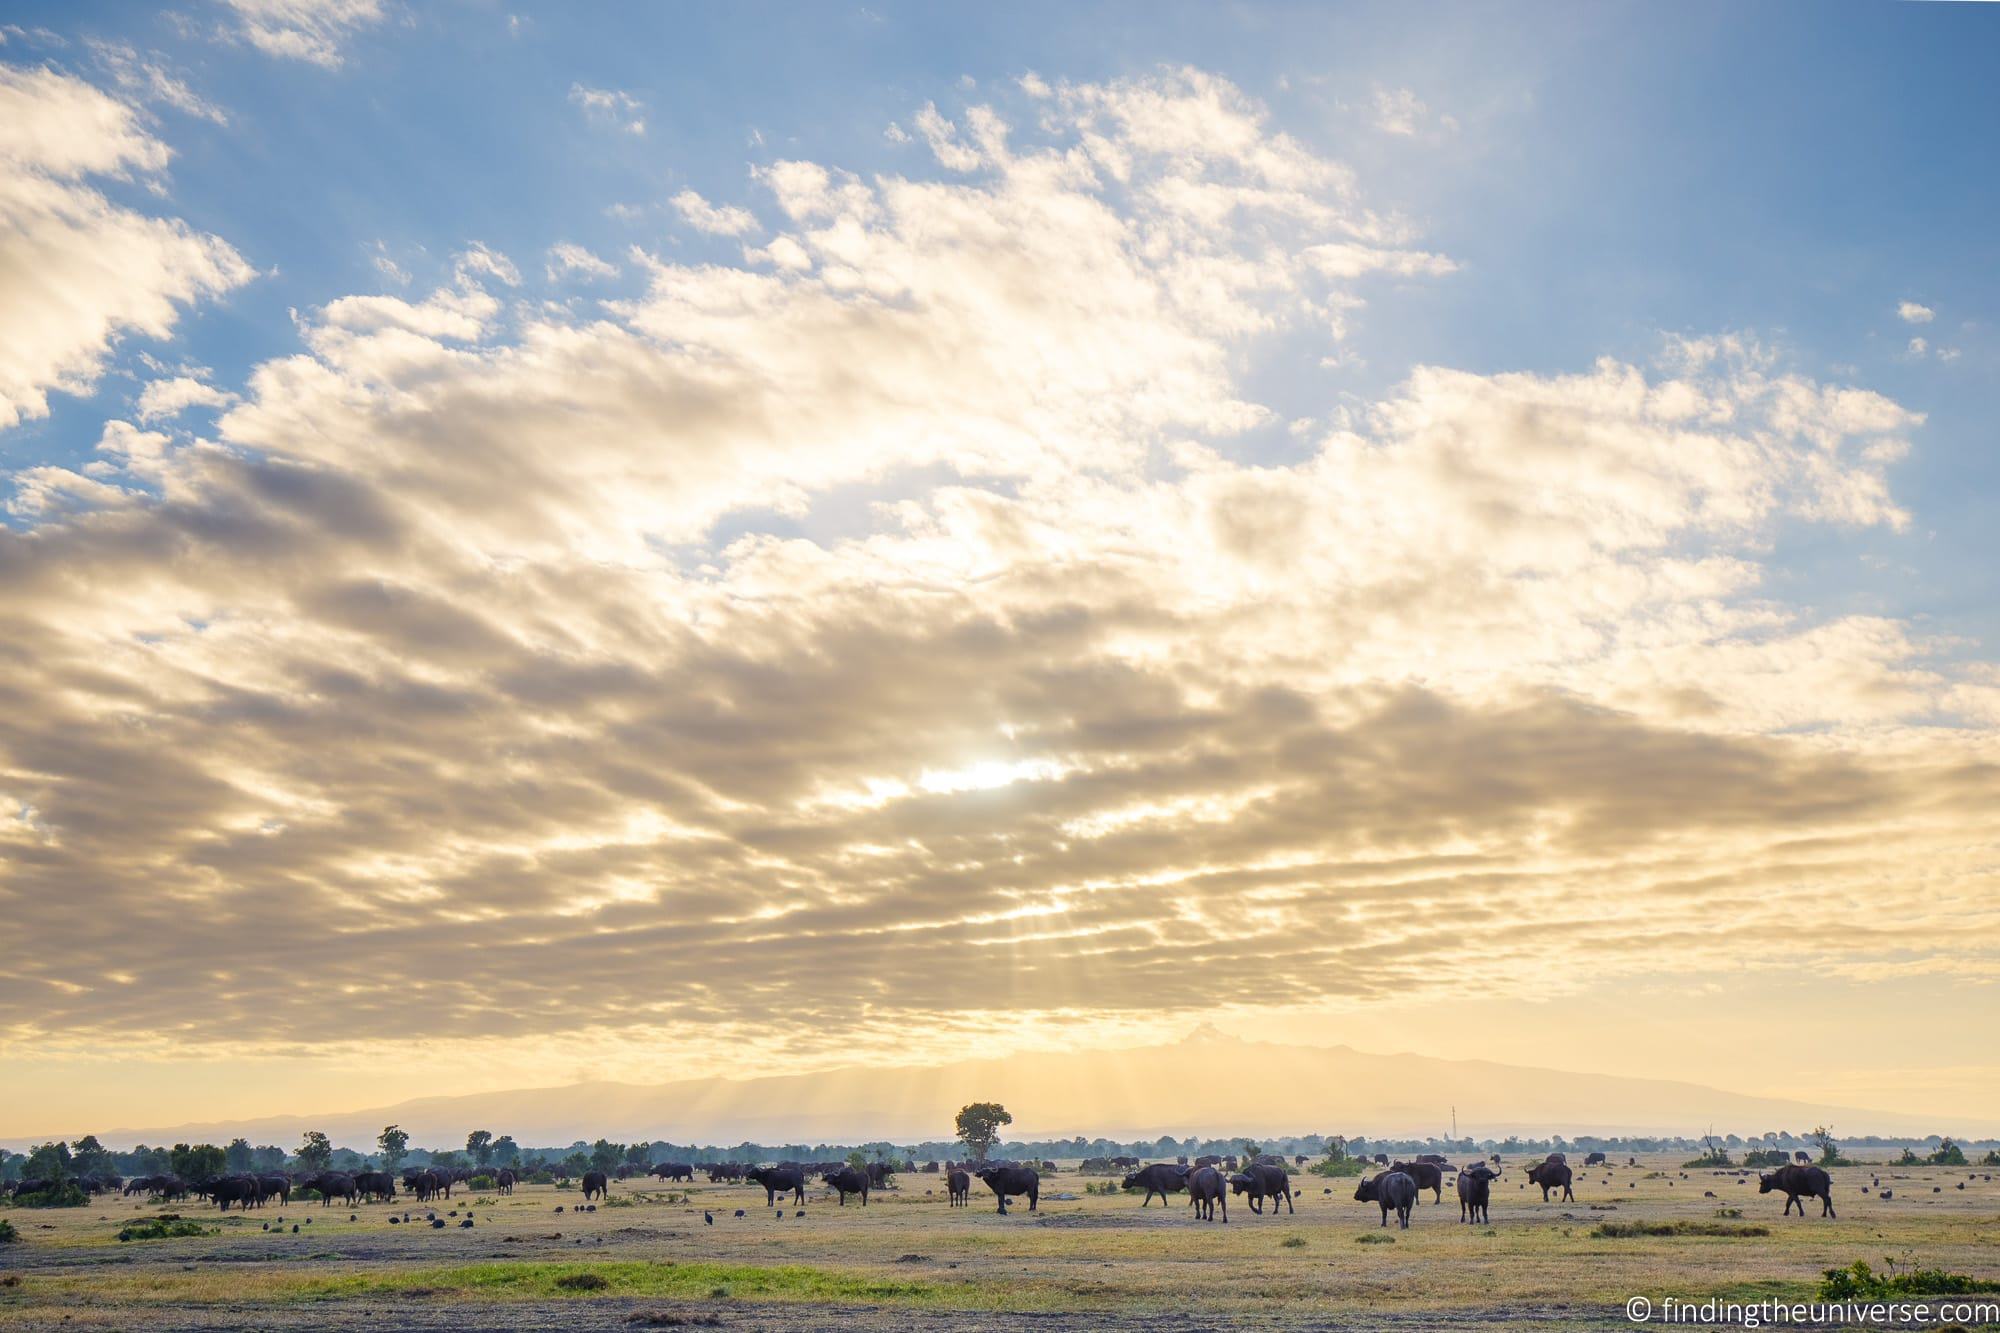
column 1208, row 1084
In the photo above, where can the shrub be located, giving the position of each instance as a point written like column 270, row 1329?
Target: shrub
column 1715, row 1157
column 1374, row 1238
column 1293, row 1242
column 1766, row 1157
column 1337, row 1167
column 161, row 1228
column 583, row 1282
column 1948, row 1154
column 65, row 1195
column 1860, row 1282
column 1992, row 1157
column 482, row 1182
column 1681, row 1227
column 7, row 1233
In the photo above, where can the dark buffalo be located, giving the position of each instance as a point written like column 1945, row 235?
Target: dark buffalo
column 1550, row 1175
column 1802, row 1157
column 1007, row 1181
column 375, row 1185
column 850, row 1180
column 1381, row 1159
column 1206, row 1188
column 1801, row 1183
column 334, row 1185
column 675, row 1171
column 1595, row 1159
column 1160, row 1179
column 778, row 1180
column 959, row 1184
column 1261, row 1180
column 595, row 1185
column 274, row 1185
column 1475, row 1186
column 504, row 1180
column 879, row 1173
column 31, row 1186
column 1391, row 1189
column 1427, row 1175
column 1209, row 1159
column 239, row 1190
column 1434, row 1158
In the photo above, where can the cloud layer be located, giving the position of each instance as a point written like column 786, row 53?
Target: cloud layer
column 910, row 622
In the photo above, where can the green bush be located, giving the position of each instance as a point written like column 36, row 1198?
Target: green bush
column 1948, row 1154
column 1717, row 1156
column 1766, row 1157
column 1338, row 1167
column 482, row 1182
column 7, row 1233
column 162, row 1228
column 1682, row 1227
column 1860, row 1282
column 65, row 1195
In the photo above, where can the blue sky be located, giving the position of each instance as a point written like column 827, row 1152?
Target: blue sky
column 1061, row 483
column 1791, row 171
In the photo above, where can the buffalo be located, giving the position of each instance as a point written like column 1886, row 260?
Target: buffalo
column 848, row 1180
column 1595, row 1159
column 1260, row 1181
column 277, row 1184
column 879, row 1173
column 1426, row 1175
column 595, row 1185
column 334, row 1185
column 1475, row 1186
column 674, row 1171
column 1390, row 1189
column 778, row 1180
column 504, row 1180
column 959, row 1184
column 1552, row 1174
column 1006, row 1181
column 1801, row 1183
column 1381, row 1159
column 1160, row 1179
column 240, row 1190
column 375, row 1184
column 1206, row 1188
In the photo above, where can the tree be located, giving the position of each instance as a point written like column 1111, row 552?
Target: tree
column 506, row 1151
column 979, row 1127
column 1336, row 1148
column 268, row 1157
column 393, row 1143
column 1829, row 1150
column 604, row 1154
column 1948, row 1154
column 640, row 1154
column 51, row 1162
column 480, row 1144
column 315, row 1151
column 89, row 1157
column 239, row 1157
column 199, row 1164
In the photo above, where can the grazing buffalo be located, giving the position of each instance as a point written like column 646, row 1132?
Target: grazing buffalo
column 1006, row 1181
column 1391, row 1189
column 1802, row 1157
column 959, row 1184
column 1427, row 1175
column 1209, row 1159
column 1475, row 1187
column 1260, row 1181
column 34, row 1186
column 778, row 1180
column 1595, row 1159
column 1801, row 1183
column 278, row 1185
column 375, row 1185
column 505, row 1180
column 239, row 1190
column 1434, row 1158
column 675, row 1171
column 334, row 1185
column 1381, row 1159
column 1550, row 1175
column 1160, row 1179
column 850, row 1180
column 595, row 1185
column 1206, row 1188
column 879, row 1173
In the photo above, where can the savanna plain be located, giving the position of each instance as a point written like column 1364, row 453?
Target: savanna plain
column 1087, row 1258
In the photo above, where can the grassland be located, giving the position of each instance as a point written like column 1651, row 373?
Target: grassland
column 908, row 1261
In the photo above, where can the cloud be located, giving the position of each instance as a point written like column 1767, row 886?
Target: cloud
column 145, row 77
column 726, row 220
column 926, row 610
column 570, row 260
column 610, row 107
column 170, row 397
column 1910, row 312
column 310, row 30
column 80, row 271
column 1399, row 111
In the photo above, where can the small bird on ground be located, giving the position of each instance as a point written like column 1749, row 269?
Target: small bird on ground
column 707, row 1218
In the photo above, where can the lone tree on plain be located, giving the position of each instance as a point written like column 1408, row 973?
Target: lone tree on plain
column 480, row 1144
column 315, row 1151
column 1829, row 1150
column 979, row 1127
column 394, row 1145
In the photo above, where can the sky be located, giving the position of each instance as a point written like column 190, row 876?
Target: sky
column 544, row 542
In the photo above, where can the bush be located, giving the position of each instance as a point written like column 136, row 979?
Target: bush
column 1948, row 1154
column 7, row 1233
column 1992, row 1157
column 1683, row 1227
column 1860, row 1282
column 583, row 1282
column 65, row 1195
column 1717, row 1156
column 1374, row 1238
column 1766, row 1157
column 162, row 1228
column 482, row 1182
column 1338, row 1167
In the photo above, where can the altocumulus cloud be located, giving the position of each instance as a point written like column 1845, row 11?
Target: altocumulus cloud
column 428, row 676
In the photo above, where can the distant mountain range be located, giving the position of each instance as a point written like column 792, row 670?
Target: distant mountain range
column 1207, row 1085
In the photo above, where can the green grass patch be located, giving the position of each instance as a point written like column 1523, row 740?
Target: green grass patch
column 1375, row 1238
column 1858, row 1281
column 686, row 1281
column 1678, row 1227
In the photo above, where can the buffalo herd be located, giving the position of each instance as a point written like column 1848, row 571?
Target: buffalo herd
column 1209, row 1182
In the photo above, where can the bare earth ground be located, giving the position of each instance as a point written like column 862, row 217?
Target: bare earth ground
column 910, row 1263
